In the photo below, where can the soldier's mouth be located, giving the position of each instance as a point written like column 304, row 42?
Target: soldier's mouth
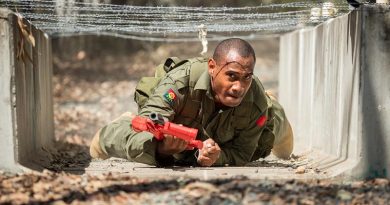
column 234, row 96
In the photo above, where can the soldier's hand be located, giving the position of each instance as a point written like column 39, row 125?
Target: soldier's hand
column 171, row 145
column 209, row 153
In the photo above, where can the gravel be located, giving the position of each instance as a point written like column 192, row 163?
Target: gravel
column 49, row 187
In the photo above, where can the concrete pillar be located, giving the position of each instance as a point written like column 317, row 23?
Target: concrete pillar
column 374, row 115
column 8, row 143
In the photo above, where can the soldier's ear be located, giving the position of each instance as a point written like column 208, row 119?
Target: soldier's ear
column 211, row 66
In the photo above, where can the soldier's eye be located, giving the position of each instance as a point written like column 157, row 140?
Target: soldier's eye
column 232, row 77
column 248, row 77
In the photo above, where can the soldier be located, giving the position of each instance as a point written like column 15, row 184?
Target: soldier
column 237, row 120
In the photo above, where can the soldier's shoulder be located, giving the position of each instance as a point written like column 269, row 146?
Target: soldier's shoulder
column 182, row 74
column 259, row 96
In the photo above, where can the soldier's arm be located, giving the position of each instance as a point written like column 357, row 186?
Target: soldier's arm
column 166, row 100
column 281, row 128
column 119, row 140
column 284, row 147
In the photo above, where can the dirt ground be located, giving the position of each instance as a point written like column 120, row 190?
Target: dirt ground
column 62, row 188
column 89, row 91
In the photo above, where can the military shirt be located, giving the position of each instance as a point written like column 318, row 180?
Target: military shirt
column 184, row 96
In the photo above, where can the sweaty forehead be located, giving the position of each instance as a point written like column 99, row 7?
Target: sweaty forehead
column 234, row 56
column 238, row 68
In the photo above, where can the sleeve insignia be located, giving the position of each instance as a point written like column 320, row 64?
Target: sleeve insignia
column 170, row 96
column 261, row 121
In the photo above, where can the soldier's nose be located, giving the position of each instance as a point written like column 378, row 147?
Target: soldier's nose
column 236, row 88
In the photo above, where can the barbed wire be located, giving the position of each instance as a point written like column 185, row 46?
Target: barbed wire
column 59, row 18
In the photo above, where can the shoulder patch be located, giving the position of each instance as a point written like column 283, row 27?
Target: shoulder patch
column 261, row 121
column 170, row 96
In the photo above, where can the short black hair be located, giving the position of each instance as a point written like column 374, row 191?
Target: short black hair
column 242, row 47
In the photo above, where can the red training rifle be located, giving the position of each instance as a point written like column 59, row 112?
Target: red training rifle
column 156, row 125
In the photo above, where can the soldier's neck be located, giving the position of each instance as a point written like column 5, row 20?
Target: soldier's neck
column 220, row 106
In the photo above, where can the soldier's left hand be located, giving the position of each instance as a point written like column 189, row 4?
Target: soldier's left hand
column 209, row 153
column 171, row 145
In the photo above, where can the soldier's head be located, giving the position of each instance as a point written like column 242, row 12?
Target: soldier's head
column 231, row 70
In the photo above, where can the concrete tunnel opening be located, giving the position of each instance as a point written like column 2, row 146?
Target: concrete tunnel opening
column 315, row 70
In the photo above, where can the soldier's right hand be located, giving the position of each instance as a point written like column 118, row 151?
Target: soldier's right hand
column 209, row 154
column 171, row 145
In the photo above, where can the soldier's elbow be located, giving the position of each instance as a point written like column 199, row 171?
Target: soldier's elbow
column 284, row 149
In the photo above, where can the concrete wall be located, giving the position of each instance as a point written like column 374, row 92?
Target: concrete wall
column 8, row 155
column 333, row 84
column 27, row 126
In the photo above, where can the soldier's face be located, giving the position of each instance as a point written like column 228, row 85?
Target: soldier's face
column 231, row 79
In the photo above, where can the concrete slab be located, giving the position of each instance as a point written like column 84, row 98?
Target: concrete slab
column 269, row 168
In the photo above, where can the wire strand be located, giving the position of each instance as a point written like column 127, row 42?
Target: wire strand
column 59, row 18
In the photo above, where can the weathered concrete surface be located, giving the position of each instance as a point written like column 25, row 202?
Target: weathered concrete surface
column 318, row 87
column 26, row 95
column 334, row 86
column 33, row 83
column 268, row 169
column 7, row 126
column 374, row 95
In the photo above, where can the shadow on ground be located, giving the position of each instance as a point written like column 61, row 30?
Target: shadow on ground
column 69, row 157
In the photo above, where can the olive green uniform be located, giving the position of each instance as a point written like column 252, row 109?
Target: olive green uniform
column 183, row 95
